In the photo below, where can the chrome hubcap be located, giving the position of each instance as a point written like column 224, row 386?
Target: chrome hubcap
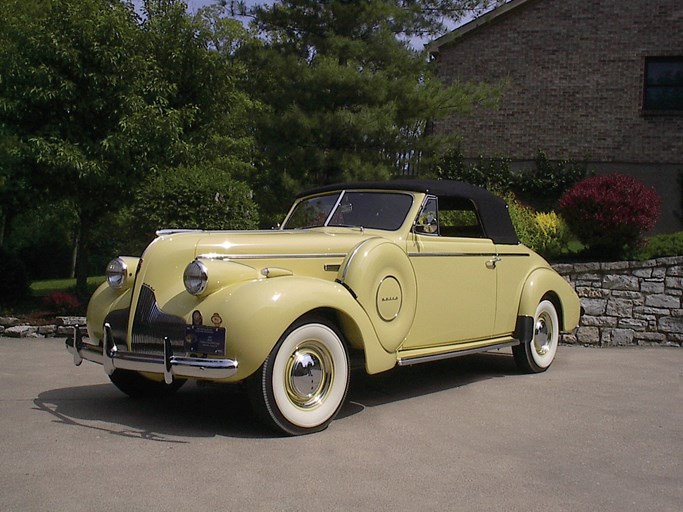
column 543, row 334
column 309, row 374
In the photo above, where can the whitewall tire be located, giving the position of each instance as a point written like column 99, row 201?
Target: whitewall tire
column 303, row 383
column 537, row 355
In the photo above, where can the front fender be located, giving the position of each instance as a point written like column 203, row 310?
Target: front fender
column 255, row 314
column 544, row 281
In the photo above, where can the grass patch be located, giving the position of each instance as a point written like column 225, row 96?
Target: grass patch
column 46, row 287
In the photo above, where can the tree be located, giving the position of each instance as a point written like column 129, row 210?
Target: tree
column 346, row 95
column 95, row 100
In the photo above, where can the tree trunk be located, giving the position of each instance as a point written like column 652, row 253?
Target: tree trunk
column 83, row 241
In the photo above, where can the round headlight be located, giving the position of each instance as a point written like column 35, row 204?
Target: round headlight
column 195, row 278
column 117, row 273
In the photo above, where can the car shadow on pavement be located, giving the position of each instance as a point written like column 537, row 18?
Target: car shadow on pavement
column 403, row 383
column 224, row 410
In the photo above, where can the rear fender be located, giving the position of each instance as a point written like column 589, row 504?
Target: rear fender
column 543, row 282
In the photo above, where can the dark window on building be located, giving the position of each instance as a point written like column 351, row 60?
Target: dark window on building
column 663, row 89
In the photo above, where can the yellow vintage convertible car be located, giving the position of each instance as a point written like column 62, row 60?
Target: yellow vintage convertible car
column 383, row 274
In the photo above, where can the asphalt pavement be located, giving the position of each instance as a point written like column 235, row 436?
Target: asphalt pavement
column 601, row 430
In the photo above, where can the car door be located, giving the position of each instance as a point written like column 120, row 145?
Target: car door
column 455, row 269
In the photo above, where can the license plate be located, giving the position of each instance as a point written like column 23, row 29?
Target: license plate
column 205, row 340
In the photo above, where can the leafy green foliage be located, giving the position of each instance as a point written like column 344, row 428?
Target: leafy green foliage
column 545, row 233
column 662, row 246
column 540, row 187
column 345, row 96
column 187, row 198
column 94, row 100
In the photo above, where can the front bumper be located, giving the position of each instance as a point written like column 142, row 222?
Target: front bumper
column 168, row 364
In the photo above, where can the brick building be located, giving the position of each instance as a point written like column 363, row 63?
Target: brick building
column 595, row 81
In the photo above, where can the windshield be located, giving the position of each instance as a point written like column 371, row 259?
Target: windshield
column 372, row 210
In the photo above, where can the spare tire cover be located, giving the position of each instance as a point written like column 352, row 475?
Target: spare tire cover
column 379, row 273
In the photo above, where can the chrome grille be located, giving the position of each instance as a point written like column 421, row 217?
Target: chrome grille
column 151, row 325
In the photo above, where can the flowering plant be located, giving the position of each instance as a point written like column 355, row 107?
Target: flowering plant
column 62, row 303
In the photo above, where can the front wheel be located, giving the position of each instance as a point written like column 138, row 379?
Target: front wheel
column 537, row 355
column 303, row 382
column 136, row 385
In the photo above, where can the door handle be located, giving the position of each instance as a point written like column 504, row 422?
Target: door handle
column 491, row 264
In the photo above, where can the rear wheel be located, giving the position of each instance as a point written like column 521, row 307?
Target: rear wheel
column 537, row 355
column 136, row 385
column 302, row 384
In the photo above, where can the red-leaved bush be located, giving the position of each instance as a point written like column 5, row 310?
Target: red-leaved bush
column 62, row 303
column 610, row 214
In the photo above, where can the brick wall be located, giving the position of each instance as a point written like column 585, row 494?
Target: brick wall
column 575, row 79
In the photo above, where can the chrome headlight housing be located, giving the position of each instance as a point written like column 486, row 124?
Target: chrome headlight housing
column 121, row 272
column 117, row 273
column 196, row 278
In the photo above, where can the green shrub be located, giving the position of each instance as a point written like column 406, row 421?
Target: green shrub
column 540, row 187
column 662, row 246
column 545, row 233
column 543, row 186
column 186, row 198
column 555, row 234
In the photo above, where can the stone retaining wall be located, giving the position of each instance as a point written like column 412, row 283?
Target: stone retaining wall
column 628, row 302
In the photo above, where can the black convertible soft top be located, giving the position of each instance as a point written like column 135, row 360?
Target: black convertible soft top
column 492, row 210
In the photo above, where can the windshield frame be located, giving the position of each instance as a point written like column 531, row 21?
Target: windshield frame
column 336, row 208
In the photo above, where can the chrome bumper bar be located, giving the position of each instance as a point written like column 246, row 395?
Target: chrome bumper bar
column 167, row 364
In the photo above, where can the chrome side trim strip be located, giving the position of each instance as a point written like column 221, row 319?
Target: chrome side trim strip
column 463, row 254
column 268, row 256
column 456, row 353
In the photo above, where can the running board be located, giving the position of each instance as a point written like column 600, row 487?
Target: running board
column 454, row 353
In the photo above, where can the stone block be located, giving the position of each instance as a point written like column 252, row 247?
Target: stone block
column 676, row 270
column 590, row 292
column 9, row 321
column 637, row 298
column 584, row 268
column 588, row 335
column 649, row 337
column 652, row 287
column 620, row 282
column 568, row 339
column 659, row 273
column 71, row 320
column 663, row 301
column 622, row 337
column 670, row 325
column 633, row 324
column 621, row 308
column 599, row 321
column 613, row 266
column 594, row 307
column 675, row 283
column 642, row 273
column 47, row 330
column 21, row 331
column 640, row 310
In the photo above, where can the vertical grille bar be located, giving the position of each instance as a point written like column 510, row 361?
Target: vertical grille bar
column 151, row 325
